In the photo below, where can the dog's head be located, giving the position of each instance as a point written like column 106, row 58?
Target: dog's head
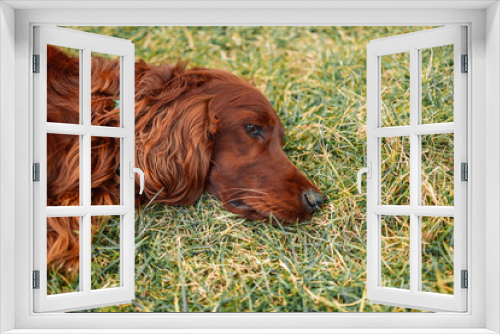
column 214, row 131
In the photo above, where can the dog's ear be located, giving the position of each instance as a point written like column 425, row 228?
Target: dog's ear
column 174, row 147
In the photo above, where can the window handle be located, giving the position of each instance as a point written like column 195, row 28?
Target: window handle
column 365, row 170
column 141, row 176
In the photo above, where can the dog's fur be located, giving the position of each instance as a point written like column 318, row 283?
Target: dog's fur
column 197, row 130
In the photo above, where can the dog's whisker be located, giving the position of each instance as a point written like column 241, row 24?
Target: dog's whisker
column 242, row 198
column 239, row 190
column 248, row 189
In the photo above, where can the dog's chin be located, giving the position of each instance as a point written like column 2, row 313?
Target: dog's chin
column 250, row 213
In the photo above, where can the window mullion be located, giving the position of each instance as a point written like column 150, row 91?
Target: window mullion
column 86, row 259
column 415, row 177
column 81, row 236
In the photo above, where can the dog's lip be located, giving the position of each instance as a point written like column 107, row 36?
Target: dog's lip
column 240, row 205
column 242, row 208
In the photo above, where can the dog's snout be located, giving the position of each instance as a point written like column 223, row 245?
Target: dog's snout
column 312, row 199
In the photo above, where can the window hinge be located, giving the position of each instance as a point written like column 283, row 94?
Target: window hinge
column 464, row 279
column 465, row 64
column 36, row 279
column 36, row 63
column 36, row 172
column 464, row 175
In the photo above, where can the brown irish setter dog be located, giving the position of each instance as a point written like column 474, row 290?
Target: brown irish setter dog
column 197, row 130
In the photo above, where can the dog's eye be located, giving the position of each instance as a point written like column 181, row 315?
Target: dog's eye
column 254, row 130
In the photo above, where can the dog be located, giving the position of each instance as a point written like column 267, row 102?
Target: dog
column 197, row 130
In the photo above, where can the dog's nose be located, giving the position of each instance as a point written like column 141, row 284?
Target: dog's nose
column 312, row 199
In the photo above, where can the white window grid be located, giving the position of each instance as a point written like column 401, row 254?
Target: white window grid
column 414, row 43
column 86, row 43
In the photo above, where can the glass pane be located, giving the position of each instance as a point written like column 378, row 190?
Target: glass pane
column 437, row 84
column 395, row 171
column 395, row 89
column 395, row 251
column 63, row 170
column 437, row 169
column 105, row 252
column 63, row 85
column 105, row 89
column 63, row 254
column 437, row 254
column 105, row 176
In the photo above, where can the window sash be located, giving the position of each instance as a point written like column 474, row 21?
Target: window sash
column 86, row 297
column 413, row 43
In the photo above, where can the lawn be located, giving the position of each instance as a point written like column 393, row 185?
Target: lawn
column 203, row 258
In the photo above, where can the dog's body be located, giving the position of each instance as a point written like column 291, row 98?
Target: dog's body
column 197, row 129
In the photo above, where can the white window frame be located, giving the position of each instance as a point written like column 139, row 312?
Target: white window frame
column 483, row 20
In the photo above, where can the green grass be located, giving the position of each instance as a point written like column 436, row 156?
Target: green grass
column 202, row 258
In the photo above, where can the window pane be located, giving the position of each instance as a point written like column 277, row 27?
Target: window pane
column 105, row 89
column 437, row 254
column 63, row 85
column 395, row 89
column 105, row 171
column 437, row 84
column 395, row 249
column 395, row 171
column 438, row 169
column 105, row 252
column 63, row 170
column 63, row 254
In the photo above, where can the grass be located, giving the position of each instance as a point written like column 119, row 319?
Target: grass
column 202, row 258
